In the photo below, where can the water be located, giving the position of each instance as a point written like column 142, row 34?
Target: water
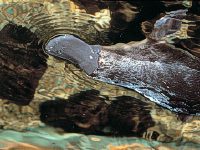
column 60, row 106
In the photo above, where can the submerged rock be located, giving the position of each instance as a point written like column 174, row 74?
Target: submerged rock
column 22, row 64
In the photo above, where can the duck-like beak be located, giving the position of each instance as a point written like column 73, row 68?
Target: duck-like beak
column 74, row 50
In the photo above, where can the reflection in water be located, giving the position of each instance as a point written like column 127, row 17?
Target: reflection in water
column 49, row 83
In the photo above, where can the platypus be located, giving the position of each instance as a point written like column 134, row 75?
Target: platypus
column 167, row 75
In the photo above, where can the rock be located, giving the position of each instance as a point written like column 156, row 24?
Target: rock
column 22, row 64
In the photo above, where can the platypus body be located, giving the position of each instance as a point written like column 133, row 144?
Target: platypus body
column 163, row 73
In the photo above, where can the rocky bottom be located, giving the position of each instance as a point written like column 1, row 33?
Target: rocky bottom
column 45, row 138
